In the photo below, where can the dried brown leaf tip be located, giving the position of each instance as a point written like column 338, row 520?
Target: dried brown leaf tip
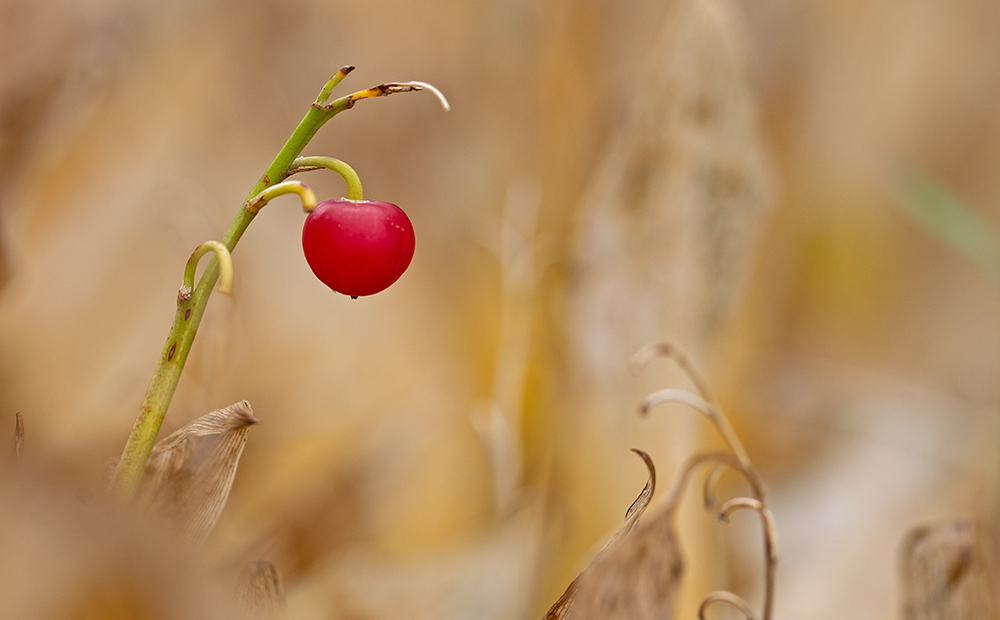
column 17, row 443
column 260, row 589
column 391, row 88
column 191, row 471
column 637, row 573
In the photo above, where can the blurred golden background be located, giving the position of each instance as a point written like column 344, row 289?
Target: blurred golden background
column 717, row 173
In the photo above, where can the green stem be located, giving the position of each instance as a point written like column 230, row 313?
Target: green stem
column 324, row 94
column 190, row 311
column 305, row 164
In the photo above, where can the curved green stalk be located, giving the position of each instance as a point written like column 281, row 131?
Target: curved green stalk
column 257, row 203
column 305, row 164
column 191, row 309
column 225, row 269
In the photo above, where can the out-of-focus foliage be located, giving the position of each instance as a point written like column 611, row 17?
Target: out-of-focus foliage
column 948, row 219
column 457, row 446
column 948, row 570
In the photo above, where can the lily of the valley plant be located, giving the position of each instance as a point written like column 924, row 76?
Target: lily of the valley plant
column 356, row 247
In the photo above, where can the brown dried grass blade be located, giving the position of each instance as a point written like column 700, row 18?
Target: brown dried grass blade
column 17, row 443
column 191, row 471
column 636, row 575
column 946, row 573
column 260, row 588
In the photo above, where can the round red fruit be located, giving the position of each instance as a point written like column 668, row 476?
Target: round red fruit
column 358, row 247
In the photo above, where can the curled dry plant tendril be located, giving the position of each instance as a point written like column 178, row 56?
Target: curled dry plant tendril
column 708, row 492
column 695, row 461
column 724, row 596
column 737, row 458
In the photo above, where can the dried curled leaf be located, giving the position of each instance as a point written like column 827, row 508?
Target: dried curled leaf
column 260, row 588
column 191, row 471
column 636, row 575
column 671, row 221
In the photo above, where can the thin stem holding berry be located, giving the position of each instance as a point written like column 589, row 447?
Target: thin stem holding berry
column 257, row 203
column 306, row 164
column 191, row 309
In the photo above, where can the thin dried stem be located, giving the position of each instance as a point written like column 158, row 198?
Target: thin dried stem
column 695, row 461
column 735, row 504
column 770, row 541
column 724, row 596
column 650, row 352
column 718, row 420
column 430, row 87
column 706, row 404
column 708, row 492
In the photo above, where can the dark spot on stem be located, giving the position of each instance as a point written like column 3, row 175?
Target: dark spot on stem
column 267, row 180
column 187, row 314
column 170, row 354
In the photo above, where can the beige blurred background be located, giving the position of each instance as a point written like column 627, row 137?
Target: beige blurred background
column 717, row 173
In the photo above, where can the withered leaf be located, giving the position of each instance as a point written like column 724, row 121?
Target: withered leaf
column 260, row 588
column 191, row 471
column 945, row 570
column 670, row 224
column 637, row 573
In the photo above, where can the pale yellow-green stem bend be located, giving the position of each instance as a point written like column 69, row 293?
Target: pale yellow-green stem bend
column 225, row 269
column 305, row 164
column 257, row 203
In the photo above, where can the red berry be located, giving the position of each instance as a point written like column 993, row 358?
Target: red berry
column 358, row 247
